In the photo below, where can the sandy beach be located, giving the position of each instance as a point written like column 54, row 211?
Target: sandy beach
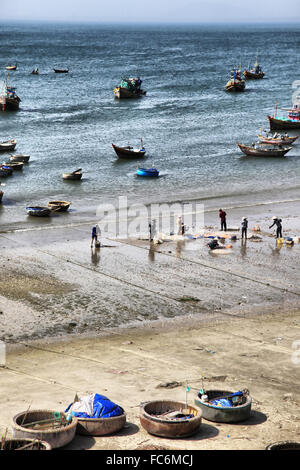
column 129, row 319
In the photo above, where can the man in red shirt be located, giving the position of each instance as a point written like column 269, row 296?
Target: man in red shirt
column 222, row 215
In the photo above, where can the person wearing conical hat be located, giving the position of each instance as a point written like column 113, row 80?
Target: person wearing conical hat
column 278, row 224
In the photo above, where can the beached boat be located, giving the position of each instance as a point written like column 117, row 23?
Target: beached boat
column 9, row 99
column 236, row 83
column 291, row 121
column 35, row 71
column 277, row 139
column 8, row 145
column 170, row 419
column 75, row 175
column 262, row 150
column 59, row 206
column 255, row 73
column 100, row 426
column 147, row 172
column 19, row 158
column 223, row 406
column 61, row 70
column 14, row 165
column 130, row 87
column 129, row 151
column 25, row 444
column 38, row 211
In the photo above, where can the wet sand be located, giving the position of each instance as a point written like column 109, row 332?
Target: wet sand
column 122, row 320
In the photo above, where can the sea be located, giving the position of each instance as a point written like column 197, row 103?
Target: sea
column 189, row 124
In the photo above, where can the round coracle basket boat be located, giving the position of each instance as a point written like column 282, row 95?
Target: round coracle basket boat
column 284, row 445
column 223, row 414
column 46, row 425
column 25, row 444
column 100, row 426
column 170, row 419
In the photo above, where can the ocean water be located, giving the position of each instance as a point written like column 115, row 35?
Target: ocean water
column 188, row 123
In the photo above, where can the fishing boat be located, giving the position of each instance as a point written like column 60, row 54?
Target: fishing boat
column 38, row 211
column 8, row 145
column 61, row 70
column 5, row 170
column 223, row 406
column 59, row 206
column 130, row 87
column 255, row 73
column 147, row 172
column 14, row 165
column 75, row 175
column 35, row 71
column 129, row 151
column 9, row 100
column 19, row 158
column 170, row 419
column 276, row 139
column 236, row 83
column 291, row 121
column 261, row 150
column 11, row 67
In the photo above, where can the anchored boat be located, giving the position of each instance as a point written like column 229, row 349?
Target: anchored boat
column 9, row 99
column 236, row 83
column 59, row 206
column 61, row 70
column 291, row 121
column 276, row 139
column 256, row 72
column 261, row 150
column 129, row 151
column 8, row 145
column 147, row 172
column 19, row 158
column 75, row 175
column 130, row 87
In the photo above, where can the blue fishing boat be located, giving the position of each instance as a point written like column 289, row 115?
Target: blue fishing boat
column 38, row 211
column 147, row 172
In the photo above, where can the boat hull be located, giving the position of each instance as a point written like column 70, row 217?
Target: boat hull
column 279, row 141
column 38, row 211
column 122, row 152
column 235, row 86
column 8, row 146
column 121, row 93
column 162, row 427
column 252, row 152
column 72, row 176
column 11, row 104
column 277, row 123
column 19, row 158
column 61, row 70
column 223, row 414
column 149, row 173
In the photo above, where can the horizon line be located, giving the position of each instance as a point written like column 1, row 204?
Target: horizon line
column 280, row 21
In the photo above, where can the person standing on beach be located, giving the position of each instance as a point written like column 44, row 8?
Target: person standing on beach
column 278, row 224
column 244, row 227
column 95, row 232
column 150, row 232
column 222, row 215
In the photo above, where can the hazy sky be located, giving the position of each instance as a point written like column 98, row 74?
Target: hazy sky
column 187, row 11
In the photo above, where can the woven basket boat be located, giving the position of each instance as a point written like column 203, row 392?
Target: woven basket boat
column 100, row 426
column 220, row 414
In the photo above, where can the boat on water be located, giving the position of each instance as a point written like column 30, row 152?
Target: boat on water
column 11, row 67
column 38, row 211
column 147, row 172
column 8, row 145
column 236, row 82
column 9, row 100
column 19, row 158
column 56, row 70
column 276, row 139
column 14, row 165
column 291, row 121
column 5, row 170
column 255, row 73
column 75, row 175
column 35, row 71
column 262, row 150
column 129, row 151
column 59, row 206
column 223, row 406
column 130, row 87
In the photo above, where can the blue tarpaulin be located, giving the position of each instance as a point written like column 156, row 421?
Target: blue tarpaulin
column 95, row 406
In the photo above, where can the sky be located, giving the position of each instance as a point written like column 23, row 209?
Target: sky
column 152, row 11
